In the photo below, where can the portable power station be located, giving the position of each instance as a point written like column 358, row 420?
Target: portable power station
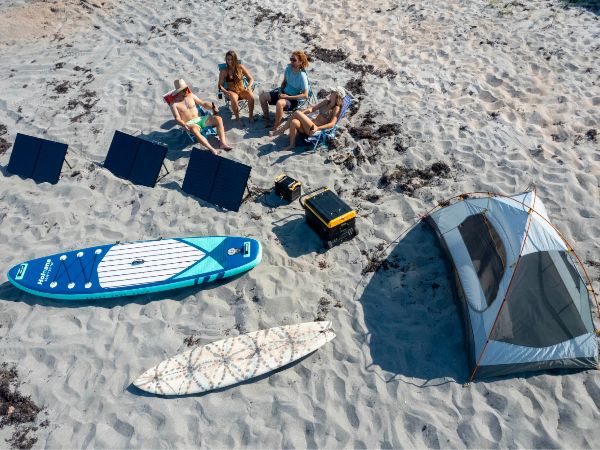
column 287, row 188
column 329, row 216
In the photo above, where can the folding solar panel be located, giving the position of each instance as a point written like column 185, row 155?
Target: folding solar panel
column 147, row 164
column 36, row 158
column 215, row 179
column 230, row 184
column 135, row 159
column 200, row 175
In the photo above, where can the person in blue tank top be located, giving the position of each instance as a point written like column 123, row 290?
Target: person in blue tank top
column 294, row 89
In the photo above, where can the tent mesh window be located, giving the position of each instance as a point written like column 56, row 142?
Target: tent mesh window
column 486, row 251
column 547, row 303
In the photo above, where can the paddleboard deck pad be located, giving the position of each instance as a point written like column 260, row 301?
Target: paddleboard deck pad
column 233, row 360
column 133, row 268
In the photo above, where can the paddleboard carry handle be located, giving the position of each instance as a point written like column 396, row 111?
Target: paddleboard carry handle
column 137, row 262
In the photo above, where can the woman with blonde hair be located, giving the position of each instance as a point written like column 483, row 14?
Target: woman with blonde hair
column 231, row 83
column 328, row 110
column 293, row 89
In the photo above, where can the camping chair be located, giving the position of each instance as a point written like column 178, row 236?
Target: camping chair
column 206, row 132
column 320, row 138
column 242, row 104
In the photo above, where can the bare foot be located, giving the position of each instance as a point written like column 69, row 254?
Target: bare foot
column 251, row 119
column 274, row 133
column 226, row 147
column 214, row 151
column 239, row 122
column 289, row 148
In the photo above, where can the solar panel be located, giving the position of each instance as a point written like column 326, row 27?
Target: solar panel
column 230, row 184
column 135, row 159
column 147, row 164
column 37, row 158
column 215, row 179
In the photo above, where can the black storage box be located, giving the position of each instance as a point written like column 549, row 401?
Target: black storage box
column 331, row 218
column 287, row 188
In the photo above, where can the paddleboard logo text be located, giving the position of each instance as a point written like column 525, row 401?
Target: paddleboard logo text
column 21, row 272
column 45, row 272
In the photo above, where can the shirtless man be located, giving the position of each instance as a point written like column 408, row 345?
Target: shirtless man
column 186, row 114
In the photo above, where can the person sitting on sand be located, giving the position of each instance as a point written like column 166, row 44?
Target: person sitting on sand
column 328, row 112
column 293, row 89
column 233, row 74
column 186, row 114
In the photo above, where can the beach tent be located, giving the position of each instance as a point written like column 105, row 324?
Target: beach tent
column 523, row 300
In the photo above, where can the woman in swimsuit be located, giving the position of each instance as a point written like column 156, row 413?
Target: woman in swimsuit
column 328, row 112
column 233, row 76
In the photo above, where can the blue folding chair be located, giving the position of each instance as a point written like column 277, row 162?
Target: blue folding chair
column 320, row 138
column 206, row 132
column 242, row 104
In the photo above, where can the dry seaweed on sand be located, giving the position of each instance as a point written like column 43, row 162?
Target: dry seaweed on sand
column 4, row 144
column 16, row 409
column 409, row 180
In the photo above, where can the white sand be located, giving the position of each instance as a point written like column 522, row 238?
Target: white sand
column 505, row 93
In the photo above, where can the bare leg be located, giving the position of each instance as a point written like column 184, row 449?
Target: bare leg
column 294, row 126
column 216, row 121
column 305, row 121
column 249, row 97
column 202, row 140
column 233, row 101
column 264, row 103
column 279, row 107
column 282, row 129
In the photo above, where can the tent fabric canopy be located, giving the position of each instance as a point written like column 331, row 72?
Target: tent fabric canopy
column 523, row 301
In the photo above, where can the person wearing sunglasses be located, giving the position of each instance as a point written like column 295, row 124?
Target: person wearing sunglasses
column 294, row 88
column 185, row 111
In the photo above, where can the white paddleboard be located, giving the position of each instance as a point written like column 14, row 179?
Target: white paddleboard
column 233, row 360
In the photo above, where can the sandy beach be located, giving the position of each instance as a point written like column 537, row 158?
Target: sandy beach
column 452, row 97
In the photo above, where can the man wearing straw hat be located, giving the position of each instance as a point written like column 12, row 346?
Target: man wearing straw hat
column 186, row 114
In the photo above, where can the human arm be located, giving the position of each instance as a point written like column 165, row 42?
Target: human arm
column 314, row 108
column 177, row 117
column 294, row 97
column 249, row 77
column 222, row 75
column 206, row 105
column 300, row 84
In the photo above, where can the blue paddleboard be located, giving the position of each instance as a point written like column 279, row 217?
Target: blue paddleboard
column 133, row 268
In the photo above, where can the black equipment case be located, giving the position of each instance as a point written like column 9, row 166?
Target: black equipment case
column 287, row 188
column 329, row 216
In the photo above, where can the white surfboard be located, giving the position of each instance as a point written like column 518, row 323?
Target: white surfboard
column 230, row 361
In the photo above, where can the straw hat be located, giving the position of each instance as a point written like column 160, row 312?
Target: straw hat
column 180, row 85
column 339, row 91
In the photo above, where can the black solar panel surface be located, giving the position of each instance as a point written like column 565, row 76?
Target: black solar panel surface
column 215, row 179
column 36, row 158
column 135, row 159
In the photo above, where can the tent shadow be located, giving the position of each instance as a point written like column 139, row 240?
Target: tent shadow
column 591, row 5
column 132, row 389
column 296, row 237
column 421, row 336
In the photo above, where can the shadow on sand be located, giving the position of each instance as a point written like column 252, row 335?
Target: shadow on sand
column 132, row 389
column 421, row 336
column 10, row 293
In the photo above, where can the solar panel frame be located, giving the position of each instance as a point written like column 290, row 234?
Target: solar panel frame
column 37, row 158
column 215, row 179
column 49, row 162
column 135, row 159
column 230, row 184
column 121, row 154
column 147, row 164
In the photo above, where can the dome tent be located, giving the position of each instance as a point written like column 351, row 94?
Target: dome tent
column 523, row 301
